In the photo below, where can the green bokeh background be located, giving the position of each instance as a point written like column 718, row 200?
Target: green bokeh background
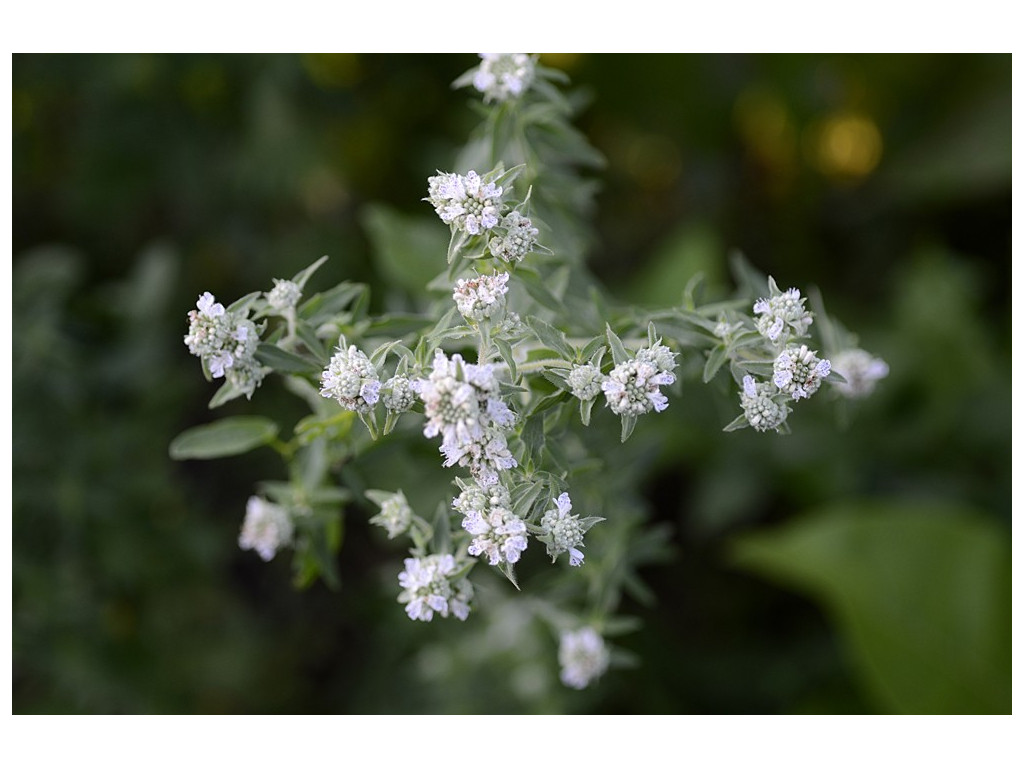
column 831, row 570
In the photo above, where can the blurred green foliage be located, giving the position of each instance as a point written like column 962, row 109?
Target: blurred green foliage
column 140, row 181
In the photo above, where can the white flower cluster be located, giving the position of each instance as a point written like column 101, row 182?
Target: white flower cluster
column 481, row 297
column 583, row 657
column 503, row 76
column 351, row 379
column 395, row 515
column 585, row 381
column 782, row 315
column 267, row 528
column 284, row 296
column 798, row 372
column 398, row 394
column 481, row 500
column 462, row 405
column 499, row 533
column 563, row 532
column 466, row 202
column 762, row 404
column 226, row 343
column 519, row 238
column 430, row 585
column 860, row 370
column 633, row 386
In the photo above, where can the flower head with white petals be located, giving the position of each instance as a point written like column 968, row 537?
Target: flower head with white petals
column 351, row 379
column 799, row 372
column 462, row 405
column 763, row 406
column 782, row 315
column 267, row 528
column 467, row 203
column 583, row 657
column 861, row 371
column 503, row 76
column 519, row 239
column 284, row 296
column 633, row 388
column 563, row 531
column 481, row 297
column 431, row 585
column 499, row 534
column 226, row 343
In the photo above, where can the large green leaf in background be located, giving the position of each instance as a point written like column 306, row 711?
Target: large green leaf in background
column 922, row 594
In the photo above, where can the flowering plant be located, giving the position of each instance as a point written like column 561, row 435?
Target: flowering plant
column 510, row 341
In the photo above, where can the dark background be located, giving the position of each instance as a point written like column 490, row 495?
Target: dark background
column 140, row 181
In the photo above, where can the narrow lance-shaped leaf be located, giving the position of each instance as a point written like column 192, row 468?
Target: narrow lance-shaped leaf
column 227, row 437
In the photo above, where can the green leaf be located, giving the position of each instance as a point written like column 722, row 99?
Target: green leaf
column 550, row 336
column 227, row 437
column 407, row 248
column 628, row 423
column 715, row 360
column 619, row 354
column 285, row 362
column 539, row 290
column 922, row 594
column 301, row 277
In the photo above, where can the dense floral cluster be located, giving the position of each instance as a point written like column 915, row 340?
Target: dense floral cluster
column 763, row 406
column 799, row 372
column 351, row 379
column 503, row 76
column 861, row 371
column 432, row 585
column 466, row 202
column 562, row 531
column 267, row 528
column 583, row 657
column 462, row 405
column 481, row 297
column 519, row 239
column 226, row 343
column 634, row 387
column 782, row 315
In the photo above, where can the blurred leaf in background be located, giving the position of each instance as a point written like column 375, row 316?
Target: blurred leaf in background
column 921, row 593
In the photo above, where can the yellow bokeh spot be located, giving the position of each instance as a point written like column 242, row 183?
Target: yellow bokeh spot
column 564, row 61
column 846, row 146
column 332, row 71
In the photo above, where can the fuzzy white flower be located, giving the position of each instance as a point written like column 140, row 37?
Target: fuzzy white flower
column 761, row 405
column 503, row 76
column 429, row 587
column 284, row 295
column 466, row 202
column 782, row 315
column 398, row 394
column 799, row 371
column 351, row 379
column 463, row 406
column 585, row 381
column 861, row 371
column 583, row 657
column 563, row 532
column 267, row 527
column 479, row 298
column 632, row 388
column 395, row 515
column 519, row 238
column 226, row 343
column 481, row 499
column 499, row 534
